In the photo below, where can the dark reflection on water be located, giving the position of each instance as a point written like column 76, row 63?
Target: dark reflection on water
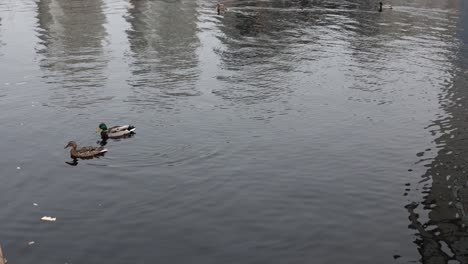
column 441, row 218
column 266, row 44
column 2, row 93
column 163, row 43
column 1, row 39
column 378, row 52
column 71, row 38
column 257, row 54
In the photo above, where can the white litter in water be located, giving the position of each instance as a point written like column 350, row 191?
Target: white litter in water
column 31, row 243
column 35, row 204
column 48, row 218
column 18, row 168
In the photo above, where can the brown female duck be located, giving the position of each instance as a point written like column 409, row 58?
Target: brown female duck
column 220, row 8
column 84, row 152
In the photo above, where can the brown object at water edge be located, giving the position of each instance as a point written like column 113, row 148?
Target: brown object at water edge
column 2, row 258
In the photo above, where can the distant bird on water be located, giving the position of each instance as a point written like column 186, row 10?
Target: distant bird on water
column 220, row 8
column 382, row 6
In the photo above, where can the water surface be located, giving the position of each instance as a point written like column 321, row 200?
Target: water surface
column 278, row 132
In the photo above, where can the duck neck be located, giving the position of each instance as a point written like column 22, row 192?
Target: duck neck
column 73, row 148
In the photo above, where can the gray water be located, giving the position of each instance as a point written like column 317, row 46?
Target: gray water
column 278, row 132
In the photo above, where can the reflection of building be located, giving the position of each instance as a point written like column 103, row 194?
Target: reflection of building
column 1, row 51
column 71, row 37
column 463, row 35
column 427, row 4
column 256, row 57
column 444, row 236
column 163, row 43
column 1, row 42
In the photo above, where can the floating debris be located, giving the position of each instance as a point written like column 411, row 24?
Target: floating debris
column 31, row 243
column 48, row 219
column 35, row 204
column 18, row 168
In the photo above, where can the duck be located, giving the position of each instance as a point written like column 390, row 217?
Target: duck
column 220, row 8
column 115, row 131
column 84, row 152
column 386, row 6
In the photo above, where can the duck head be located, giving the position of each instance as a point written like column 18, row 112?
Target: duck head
column 101, row 127
column 71, row 144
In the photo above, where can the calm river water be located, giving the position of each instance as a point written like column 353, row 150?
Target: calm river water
column 279, row 132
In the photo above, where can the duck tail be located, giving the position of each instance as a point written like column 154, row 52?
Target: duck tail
column 131, row 128
column 103, row 150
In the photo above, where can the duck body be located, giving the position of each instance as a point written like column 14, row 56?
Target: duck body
column 115, row 131
column 84, row 152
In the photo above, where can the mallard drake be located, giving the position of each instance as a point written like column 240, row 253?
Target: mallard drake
column 84, row 152
column 115, row 131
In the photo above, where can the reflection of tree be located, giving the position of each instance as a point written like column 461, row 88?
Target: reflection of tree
column 163, row 41
column 71, row 35
column 444, row 236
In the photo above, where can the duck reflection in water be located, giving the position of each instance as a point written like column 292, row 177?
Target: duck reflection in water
column 105, row 138
column 74, row 162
